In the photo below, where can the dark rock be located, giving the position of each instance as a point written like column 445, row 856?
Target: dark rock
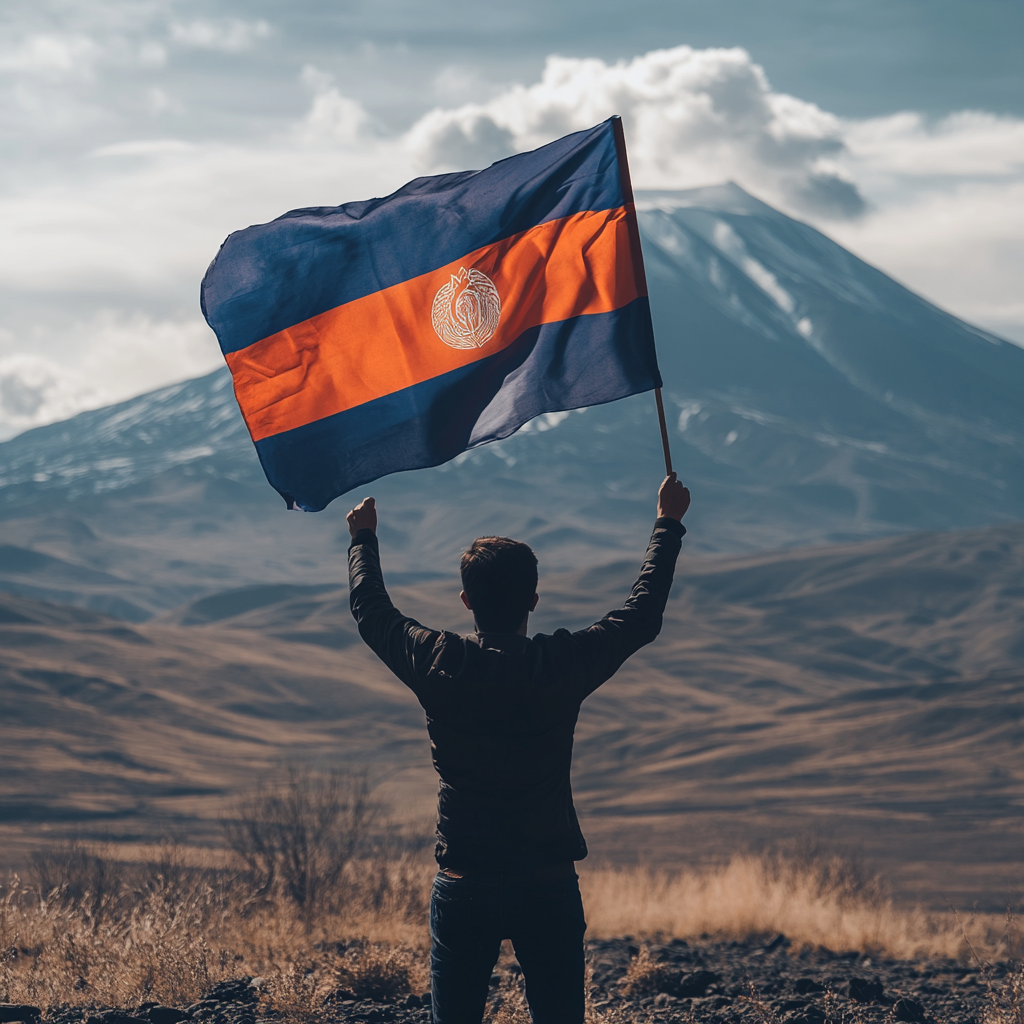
column 909, row 1010
column 115, row 1017
column 341, row 995
column 863, row 991
column 18, row 1011
column 805, row 985
column 695, row 985
column 237, row 990
column 165, row 1015
column 779, row 942
column 808, row 1015
column 425, row 1000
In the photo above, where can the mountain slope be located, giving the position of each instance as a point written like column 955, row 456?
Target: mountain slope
column 811, row 399
column 796, row 362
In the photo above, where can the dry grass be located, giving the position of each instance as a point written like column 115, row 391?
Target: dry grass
column 1006, row 1000
column 814, row 902
column 646, row 976
column 90, row 930
column 136, row 934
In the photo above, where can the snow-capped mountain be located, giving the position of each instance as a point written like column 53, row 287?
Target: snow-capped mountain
column 807, row 369
column 811, row 398
column 107, row 450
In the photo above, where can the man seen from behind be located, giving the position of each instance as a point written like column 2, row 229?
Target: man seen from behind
column 501, row 709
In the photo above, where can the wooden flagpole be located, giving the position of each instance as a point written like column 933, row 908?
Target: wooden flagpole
column 638, row 262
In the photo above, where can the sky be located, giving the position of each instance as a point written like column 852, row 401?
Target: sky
column 136, row 134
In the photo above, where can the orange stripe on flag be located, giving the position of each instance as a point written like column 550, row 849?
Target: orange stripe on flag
column 386, row 341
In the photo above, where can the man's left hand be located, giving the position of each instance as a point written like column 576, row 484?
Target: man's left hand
column 362, row 517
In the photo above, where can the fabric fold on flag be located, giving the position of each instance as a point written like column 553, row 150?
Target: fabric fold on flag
column 393, row 334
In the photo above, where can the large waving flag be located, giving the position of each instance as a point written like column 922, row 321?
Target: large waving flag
column 395, row 333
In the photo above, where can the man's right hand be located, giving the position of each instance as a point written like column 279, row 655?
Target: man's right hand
column 673, row 498
column 362, row 517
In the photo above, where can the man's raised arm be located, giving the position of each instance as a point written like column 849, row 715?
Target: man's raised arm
column 401, row 643
column 605, row 645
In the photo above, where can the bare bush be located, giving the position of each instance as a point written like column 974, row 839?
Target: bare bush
column 646, row 977
column 1006, row 1001
column 376, row 971
column 69, row 873
column 297, row 837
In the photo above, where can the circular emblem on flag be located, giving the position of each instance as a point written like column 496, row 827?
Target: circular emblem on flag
column 466, row 310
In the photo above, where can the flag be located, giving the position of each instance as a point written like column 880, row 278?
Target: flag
column 395, row 333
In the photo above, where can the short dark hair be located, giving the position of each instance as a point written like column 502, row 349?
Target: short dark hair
column 499, row 576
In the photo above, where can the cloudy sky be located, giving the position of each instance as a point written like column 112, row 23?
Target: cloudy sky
column 138, row 133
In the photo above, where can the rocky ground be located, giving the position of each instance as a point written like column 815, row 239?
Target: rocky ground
column 712, row 982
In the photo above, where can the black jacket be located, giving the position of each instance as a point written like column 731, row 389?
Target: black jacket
column 501, row 709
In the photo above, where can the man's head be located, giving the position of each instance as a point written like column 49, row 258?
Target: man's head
column 499, row 583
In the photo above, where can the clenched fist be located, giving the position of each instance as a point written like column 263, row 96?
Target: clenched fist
column 362, row 517
column 673, row 498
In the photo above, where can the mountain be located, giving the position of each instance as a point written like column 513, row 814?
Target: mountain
column 812, row 399
column 866, row 696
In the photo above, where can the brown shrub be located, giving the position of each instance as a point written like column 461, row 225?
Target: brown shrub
column 378, row 971
column 1006, row 1000
column 646, row 977
column 297, row 836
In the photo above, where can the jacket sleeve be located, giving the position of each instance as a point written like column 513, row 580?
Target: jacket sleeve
column 604, row 646
column 406, row 647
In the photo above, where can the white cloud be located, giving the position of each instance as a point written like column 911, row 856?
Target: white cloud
column 959, row 243
column 133, row 352
column 149, row 217
column 332, row 117
column 112, row 356
column 691, row 116
column 144, row 147
column 230, row 35
column 158, row 101
column 35, row 390
column 969, row 143
column 50, row 55
column 152, row 55
column 947, row 213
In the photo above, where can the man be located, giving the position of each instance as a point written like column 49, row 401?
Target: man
column 501, row 710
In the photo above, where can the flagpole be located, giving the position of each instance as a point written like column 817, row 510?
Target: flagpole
column 638, row 262
column 664, row 431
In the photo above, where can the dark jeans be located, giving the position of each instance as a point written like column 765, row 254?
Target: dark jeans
column 543, row 919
